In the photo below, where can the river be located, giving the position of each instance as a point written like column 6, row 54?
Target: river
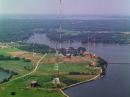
column 116, row 82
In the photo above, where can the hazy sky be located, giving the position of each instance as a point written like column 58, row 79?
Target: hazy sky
column 86, row 7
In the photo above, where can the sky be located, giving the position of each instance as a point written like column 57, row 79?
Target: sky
column 69, row 7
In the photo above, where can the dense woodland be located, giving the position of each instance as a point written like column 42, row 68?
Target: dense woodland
column 22, row 29
column 38, row 48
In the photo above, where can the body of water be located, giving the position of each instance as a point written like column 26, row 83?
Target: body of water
column 116, row 82
column 4, row 75
column 43, row 39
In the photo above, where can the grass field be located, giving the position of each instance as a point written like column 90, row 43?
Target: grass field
column 5, row 51
column 20, row 87
column 44, row 73
column 15, row 65
column 64, row 67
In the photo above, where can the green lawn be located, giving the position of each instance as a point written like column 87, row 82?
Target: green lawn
column 43, row 75
column 5, row 51
column 21, row 90
column 19, row 86
column 65, row 68
column 15, row 65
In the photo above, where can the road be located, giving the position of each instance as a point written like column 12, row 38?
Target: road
column 36, row 67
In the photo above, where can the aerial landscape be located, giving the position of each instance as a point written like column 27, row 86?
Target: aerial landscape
column 64, row 48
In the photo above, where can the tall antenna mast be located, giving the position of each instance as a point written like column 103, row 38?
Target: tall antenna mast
column 59, row 29
column 94, row 43
column 33, row 43
column 33, row 51
column 56, row 80
column 88, row 41
column 60, row 26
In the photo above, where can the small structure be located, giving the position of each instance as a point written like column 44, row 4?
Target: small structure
column 94, row 56
column 56, row 81
column 33, row 84
column 85, row 53
column 13, row 93
column 94, row 64
column 68, row 56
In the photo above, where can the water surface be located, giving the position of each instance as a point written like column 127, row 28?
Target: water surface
column 4, row 75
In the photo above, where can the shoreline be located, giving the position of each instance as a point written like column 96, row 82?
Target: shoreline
column 86, row 81
column 11, row 74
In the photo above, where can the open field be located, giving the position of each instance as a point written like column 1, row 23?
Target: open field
column 6, row 51
column 69, row 71
column 21, row 88
column 27, row 55
column 16, row 66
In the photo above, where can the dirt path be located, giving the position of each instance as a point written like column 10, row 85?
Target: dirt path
column 37, row 64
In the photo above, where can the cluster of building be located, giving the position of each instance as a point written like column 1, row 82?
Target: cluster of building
column 81, row 51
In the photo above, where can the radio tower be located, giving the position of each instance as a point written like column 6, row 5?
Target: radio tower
column 60, row 26
column 33, row 48
column 59, row 42
column 56, row 80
